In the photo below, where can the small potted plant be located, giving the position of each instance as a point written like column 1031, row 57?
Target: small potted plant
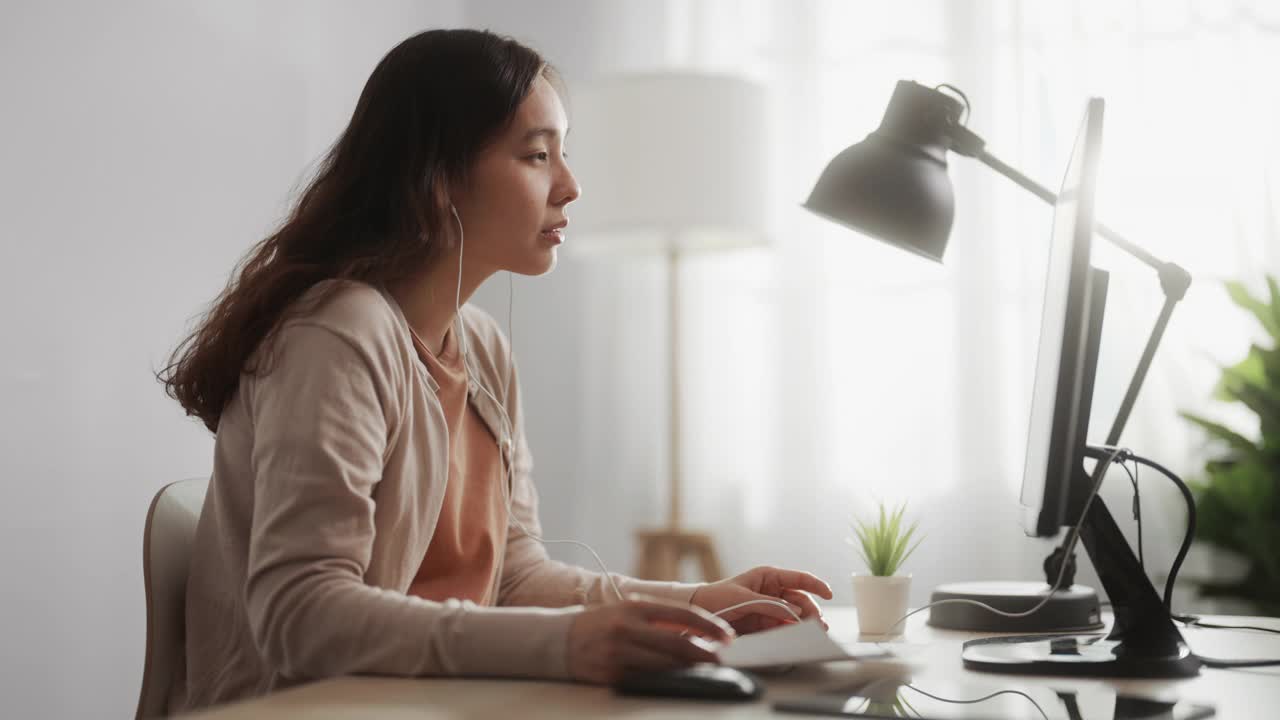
column 881, row 595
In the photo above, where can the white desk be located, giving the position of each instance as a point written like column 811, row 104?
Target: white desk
column 1248, row 694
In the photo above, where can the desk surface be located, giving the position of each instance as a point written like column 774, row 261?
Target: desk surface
column 933, row 657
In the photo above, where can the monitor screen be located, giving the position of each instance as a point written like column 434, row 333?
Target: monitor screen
column 1054, row 438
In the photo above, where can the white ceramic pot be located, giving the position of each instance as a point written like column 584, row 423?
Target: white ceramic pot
column 881, row 603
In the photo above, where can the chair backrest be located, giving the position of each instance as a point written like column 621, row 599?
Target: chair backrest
column 166, row 555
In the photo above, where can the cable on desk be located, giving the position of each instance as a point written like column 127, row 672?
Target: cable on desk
column 1194, row 621
column 983, row 698
column 1231, row 664
column 1187, row 537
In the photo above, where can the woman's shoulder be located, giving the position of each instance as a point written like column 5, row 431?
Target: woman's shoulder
column 355, row 311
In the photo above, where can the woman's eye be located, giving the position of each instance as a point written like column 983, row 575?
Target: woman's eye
column 540, row 156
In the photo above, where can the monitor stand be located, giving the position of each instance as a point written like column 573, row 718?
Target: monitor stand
column 1143, row 641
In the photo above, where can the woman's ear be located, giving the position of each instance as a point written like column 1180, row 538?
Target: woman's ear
column 441, row 195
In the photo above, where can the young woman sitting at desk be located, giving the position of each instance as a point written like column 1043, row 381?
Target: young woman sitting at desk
column 371, row 507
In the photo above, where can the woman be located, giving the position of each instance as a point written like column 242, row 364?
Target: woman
column 371, row 508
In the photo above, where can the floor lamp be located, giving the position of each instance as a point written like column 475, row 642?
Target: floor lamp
column 670, row 163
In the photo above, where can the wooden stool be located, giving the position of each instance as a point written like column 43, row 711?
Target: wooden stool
column 662, row 551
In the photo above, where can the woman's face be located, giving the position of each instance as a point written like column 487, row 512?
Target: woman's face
column 513, row 206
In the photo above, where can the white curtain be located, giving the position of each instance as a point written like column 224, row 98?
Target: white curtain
column 830, row 371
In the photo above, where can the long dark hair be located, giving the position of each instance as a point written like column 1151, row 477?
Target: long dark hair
column 376, row 208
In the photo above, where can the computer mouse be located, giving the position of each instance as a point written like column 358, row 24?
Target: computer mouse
column 703, row 682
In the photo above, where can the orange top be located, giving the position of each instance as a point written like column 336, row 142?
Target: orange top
column 463, row 556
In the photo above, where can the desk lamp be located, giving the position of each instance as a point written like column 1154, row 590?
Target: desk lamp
column 894, row 186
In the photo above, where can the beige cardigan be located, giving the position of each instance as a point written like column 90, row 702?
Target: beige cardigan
column 328, row 477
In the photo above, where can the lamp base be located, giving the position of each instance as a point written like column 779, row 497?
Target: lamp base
column 1073, row 609
column 661, row 552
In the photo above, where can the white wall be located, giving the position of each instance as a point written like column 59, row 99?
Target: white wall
column 143, row 147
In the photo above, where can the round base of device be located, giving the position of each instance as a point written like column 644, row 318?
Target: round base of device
column 1088, row 655
column 1073, row 609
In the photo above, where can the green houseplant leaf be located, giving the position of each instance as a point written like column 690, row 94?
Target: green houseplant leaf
column 1238, row 494
column 1233, row 439
column 885, row 545
column 1265, row 312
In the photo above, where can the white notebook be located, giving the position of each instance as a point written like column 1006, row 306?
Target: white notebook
column 796, row 644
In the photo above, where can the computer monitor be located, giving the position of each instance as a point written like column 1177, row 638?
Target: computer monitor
column 1058, row 423
column 1057, row 490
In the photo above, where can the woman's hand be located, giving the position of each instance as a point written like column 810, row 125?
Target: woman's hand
column 639, row 634
column 791, row 587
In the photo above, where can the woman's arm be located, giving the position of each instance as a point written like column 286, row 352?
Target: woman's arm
column 321, row 422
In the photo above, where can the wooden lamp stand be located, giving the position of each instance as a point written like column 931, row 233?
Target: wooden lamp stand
column 662, row 550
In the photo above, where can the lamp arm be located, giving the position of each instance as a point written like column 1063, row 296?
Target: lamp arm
column 1140, row 373
column 1173, row 279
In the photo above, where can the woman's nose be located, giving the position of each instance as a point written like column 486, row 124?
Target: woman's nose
column 568, row 188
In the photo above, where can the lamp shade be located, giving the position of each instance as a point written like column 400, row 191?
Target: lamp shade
column 669, row 160
column 894, row 184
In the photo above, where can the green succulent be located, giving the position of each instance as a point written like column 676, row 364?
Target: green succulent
column 1238, row 496
column 886, row 543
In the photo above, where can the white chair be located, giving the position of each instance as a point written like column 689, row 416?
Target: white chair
column 166, row 555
